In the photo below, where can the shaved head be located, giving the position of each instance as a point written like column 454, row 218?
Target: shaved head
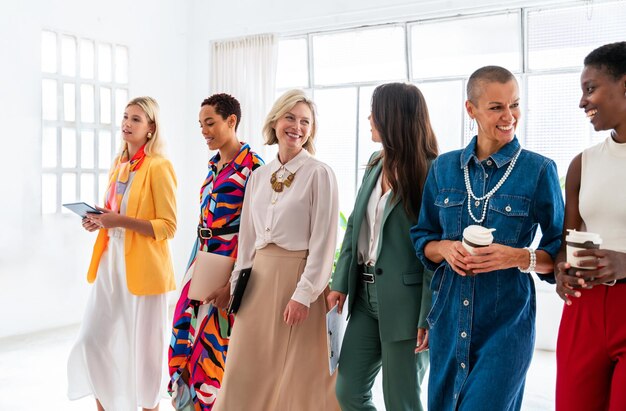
column 487, row 74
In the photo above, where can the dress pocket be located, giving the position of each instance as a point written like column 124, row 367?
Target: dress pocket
column 440, row 287
column 507, row 214
column 450, row 204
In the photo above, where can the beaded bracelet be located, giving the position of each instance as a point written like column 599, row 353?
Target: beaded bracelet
column 533, row 261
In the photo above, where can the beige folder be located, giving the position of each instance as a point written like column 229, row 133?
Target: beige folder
column 208, row 273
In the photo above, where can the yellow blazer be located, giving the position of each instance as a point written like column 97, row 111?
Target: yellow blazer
column 152, row 197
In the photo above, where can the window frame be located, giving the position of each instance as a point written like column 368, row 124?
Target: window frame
column 78, row 125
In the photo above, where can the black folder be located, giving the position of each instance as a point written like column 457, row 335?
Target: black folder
column 240, row 288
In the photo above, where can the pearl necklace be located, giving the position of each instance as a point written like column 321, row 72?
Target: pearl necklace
column 487, row 196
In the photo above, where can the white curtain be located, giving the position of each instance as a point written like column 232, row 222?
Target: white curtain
column 246, row 69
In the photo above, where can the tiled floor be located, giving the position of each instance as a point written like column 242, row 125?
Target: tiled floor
column 33, row 376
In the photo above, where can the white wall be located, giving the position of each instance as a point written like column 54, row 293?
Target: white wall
column 43, row 259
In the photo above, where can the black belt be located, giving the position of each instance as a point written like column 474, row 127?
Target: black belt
column 208, row 233
column 366, row 273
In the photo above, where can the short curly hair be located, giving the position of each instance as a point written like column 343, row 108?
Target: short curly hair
column 224, row 105
column 611, row 57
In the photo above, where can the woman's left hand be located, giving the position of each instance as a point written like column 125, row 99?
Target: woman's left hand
column 611, row 266
column 494, row 257
column 295, row 313
column 422, row 340
column 108, row 219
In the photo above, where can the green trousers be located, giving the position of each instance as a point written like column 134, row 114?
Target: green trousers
column 363, row 354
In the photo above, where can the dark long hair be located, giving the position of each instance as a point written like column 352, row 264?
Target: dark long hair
column 401, row 118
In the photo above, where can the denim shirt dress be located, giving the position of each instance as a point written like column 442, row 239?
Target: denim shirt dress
column 482, row 328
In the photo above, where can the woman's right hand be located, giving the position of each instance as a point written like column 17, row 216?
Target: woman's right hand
column 454, row 253
column 336, row 298
column 220, row 297
column 90, row 225
column 565, row 283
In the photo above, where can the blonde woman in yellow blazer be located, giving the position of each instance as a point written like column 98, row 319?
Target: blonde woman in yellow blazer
column 119, row 356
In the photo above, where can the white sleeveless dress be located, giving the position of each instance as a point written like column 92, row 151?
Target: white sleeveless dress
column 119, row 356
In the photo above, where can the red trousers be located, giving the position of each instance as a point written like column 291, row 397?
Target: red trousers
column 591, row 352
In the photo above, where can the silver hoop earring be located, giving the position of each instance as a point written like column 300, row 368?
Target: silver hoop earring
column 472, row 124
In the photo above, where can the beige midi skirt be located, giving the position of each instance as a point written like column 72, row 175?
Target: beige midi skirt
column 272, row 366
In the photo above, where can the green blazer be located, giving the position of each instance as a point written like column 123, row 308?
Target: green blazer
column 402, row 282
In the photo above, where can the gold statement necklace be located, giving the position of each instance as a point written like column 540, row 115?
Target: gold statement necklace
column 279, row 185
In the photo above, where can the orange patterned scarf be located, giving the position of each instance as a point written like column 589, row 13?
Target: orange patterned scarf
column 120, row 176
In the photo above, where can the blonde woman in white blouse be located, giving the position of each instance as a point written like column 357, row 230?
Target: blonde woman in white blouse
column 277, row 358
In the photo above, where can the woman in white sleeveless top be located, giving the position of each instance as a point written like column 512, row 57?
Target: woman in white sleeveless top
column 591, row 348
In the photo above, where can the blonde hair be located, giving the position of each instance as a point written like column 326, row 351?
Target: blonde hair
column 155, row 144
column 286, row 102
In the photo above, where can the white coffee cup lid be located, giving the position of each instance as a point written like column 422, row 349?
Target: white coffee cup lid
column 582, row 237
column 478, row 234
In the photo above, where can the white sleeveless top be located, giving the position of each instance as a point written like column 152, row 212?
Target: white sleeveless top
column 602, row 197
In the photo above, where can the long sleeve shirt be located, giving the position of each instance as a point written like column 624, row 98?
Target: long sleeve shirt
column 302, row 216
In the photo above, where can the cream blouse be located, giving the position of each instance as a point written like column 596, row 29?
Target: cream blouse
column 303, row 216
column 368, row 242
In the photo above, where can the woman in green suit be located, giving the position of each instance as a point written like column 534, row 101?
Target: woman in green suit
column 388, row 286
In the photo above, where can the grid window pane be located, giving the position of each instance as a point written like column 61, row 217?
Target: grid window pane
column 121, row 99
column 49, row 147
column 292, row 69
column 87, row 59
column 121, row 64
column 48, row 193
column 457, row 47
column 87, row 188
column 77, row 135
column 555, row 126
column 104, row 149
column 362, row 55
column 87, row 149
column 366, row 145
column 69, row 102
column 68, row 56
column 560, row 38
column 87, row 103
column 104, row 62
column 336, row 139
column 48, row 52
column 445, row 101
column 49, row 99
column 105, row 105
column 68, row 189
column 68, row 148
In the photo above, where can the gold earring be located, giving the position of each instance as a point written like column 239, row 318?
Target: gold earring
column 149, row 135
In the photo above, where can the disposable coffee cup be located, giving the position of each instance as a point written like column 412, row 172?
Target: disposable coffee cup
column 476, row 236
column 578, row 241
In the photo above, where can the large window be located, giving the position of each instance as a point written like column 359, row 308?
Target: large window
column 544, row 48
column 84, row 89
